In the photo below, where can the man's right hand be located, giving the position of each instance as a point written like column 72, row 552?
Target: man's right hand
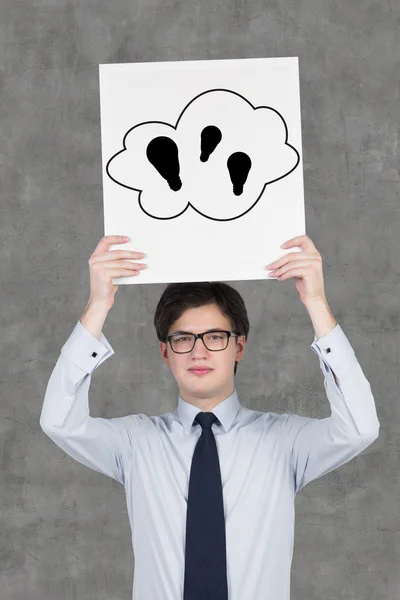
column 106, row 264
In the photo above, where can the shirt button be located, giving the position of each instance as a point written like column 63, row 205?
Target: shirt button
column 94, row 354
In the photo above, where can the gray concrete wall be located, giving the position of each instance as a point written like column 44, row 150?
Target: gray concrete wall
column 64, row 531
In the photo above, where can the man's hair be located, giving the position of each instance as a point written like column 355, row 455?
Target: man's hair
column 178, row 297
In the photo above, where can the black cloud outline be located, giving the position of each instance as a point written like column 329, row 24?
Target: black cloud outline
column 175, row 128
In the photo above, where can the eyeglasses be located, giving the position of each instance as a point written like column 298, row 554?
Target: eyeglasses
column 214, row 340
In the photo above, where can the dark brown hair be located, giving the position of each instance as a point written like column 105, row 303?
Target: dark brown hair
column 178, row 297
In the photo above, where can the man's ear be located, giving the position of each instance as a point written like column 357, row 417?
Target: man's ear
column 164, row 352
column 240, row 344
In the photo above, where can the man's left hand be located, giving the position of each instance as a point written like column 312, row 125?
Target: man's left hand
column 304, row 266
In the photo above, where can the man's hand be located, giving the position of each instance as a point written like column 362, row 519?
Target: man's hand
column 306, row 268
column 105, row 264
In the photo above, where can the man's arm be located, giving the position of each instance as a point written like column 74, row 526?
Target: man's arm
column 320, row 445
column 100, row 444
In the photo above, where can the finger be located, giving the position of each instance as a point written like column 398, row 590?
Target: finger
column 123, row 273
column 108, row 240
column 292, row 256
column 116, row 254
column 292, row 273
column 299, row 265
column 110, row 265
column 303, row 241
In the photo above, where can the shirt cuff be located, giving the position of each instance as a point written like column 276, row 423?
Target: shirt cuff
column 334, row 348
column 84, row 350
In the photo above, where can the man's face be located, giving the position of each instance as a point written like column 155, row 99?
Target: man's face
column 220, row 378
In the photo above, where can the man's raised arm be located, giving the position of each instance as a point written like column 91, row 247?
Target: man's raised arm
column 101, row 444
column 321, row 445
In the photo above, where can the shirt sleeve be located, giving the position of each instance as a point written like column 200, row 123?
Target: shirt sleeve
column 103, row 445
column 320, row 445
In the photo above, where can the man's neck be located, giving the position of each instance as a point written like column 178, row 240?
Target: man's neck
column 206, row 404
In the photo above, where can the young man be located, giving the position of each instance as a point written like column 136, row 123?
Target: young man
column 210, row 486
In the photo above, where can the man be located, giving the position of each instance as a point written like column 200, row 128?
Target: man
column 210, row 486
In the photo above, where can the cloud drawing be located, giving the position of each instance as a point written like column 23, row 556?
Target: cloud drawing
column 217, row 159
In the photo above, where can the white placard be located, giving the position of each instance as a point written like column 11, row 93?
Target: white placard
column 202, row 165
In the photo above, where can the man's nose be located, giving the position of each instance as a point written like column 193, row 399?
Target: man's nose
column 199, row 348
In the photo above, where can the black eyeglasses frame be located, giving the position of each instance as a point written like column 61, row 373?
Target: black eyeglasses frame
column 200, row 336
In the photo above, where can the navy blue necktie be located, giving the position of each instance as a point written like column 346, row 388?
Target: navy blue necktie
column 205, row 547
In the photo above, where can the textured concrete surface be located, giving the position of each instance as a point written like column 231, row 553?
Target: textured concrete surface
column 64, row 531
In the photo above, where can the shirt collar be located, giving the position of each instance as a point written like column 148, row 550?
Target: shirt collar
column 226, row 411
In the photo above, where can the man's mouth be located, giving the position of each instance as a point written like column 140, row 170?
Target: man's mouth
column 200, row 371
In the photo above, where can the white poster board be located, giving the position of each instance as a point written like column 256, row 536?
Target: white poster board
column 202, row 165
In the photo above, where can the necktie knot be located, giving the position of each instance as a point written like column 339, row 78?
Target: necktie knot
column 206, row 419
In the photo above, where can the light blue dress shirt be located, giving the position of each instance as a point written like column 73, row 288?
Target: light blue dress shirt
column 265, row 459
